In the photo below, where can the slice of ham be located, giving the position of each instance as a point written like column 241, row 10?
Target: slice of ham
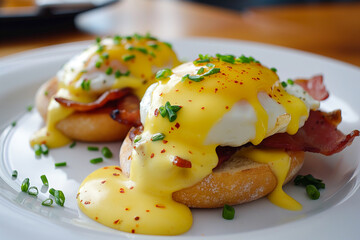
column 100, row 102
column 318, row 135
column 315, row 87
column 127, row 111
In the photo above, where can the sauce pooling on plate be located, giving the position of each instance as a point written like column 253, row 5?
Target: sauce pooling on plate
column 110, row 63
column 178, row 113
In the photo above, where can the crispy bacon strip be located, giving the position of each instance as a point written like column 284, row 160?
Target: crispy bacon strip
column 101, row 101
column 315, row 87
column 319, row 135
column 127, row 111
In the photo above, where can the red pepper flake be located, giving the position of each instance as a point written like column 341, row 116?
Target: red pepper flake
column 137, row 218
column 172, row 128
column 131, row 187
column 147, row 210
column 162, row 151
column 236, row 81
column 160, row 206
column 176, row 90
column 177, row 125
column 87, row 202
column 156, row 112
column 117, row 168
column 77, row 195
column 116, row 174
column 127, row 209
column 278, row 90
column 152, row 155
column 241, row 83
column 106, row 167
column 190, row 152
column 190, row 100
column 180, row 162
column 117, row 221
column 165, row 141
column 203, row 108
column 216, row 90
column 96, row 218
column 102, row 182
column 160, row 94
column 122, row 190
column 289, row 101
column 142, row 75
column 132, row 230
column 226, row 107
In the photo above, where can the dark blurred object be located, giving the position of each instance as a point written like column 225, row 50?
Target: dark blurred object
column 21, row 17
column 245, row 4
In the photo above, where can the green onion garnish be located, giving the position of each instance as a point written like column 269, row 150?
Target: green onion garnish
column 60, row 164
column 33, row 191
column 52, row 191
column 25, row 185
column 273, row 69
column 200, row 71
column 93, row 148
column 171, row 114
column 105, row 55
column 212, row 71
column 137, row 138
column 168, row 44
column 37, row 149
column 312, row 192
column 96, row 160
column 117, row 39
column 152, row 54
column 44, row 180
column 85, row 84
column 290, row 81
column 44, row 149
column 46, row 93
column 141, row 49
column 109, row 71
column 243, row 59
column 106, row 152
column 128, row 57
column 162, row 111
column 228, row 212
column 73, row 144
column 59, row 197
column 210, row 65
column 98, row 63
column 98, row 40
column 195, row 78
column 100, row 48
column 29, row 108
column 119, row 74
column 164, row 73
column 226, row 58
column 157, row 137
column 148, row 36
column 14, row 174
column 153, row 45
column 47, row 202
column 13, row 123
column 309, row 180
column 284, row 84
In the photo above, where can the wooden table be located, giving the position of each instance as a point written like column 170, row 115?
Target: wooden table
column 332, row 30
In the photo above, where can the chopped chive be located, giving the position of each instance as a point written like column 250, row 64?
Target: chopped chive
column 98, row 40
column 153, row 45
column 60, row 164
column 44, row 149
column 141, row 49
column 29, row 108
column 100, row 48
column 25, row 185
column 312, row 192
column 202, row 60
column 226, row 58
column 14, row 174
column 128, row 38
column 44, row 180
column 171, row 114
column 157, row 137
column 52, row 191
column 119, row 74
column 152, row 54
column 273, row 69
column 212, row 71
column 85, row 84
column 137, row 138
column 47, row 202
column 106, row 152
column 93, row 148
column 46, row 93
column 195, row 78
column 211, row 65
column 117, row 39
column 98, row 63
column 73, row 144
column 13, row 124
column 175, row 108
column 164, row 73
column 200, row 71
column 33, row 191
column 37, row 149
column 284, row 84
column 109, row 71
column 148, row 36
column 96, row 160
column 168, row 44
column 243, row 59
column 309, row 180
column 162, row 111
column 290, row 81
column 128, row 57
column 59, row 197
column 228, row 212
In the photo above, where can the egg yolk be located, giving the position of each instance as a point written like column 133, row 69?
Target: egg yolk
column 128, row 62
column 143, row 202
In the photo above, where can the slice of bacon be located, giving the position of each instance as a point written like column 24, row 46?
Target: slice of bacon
column 318, row 135
column 101, row 101
column 315, row 87
column 127, row 111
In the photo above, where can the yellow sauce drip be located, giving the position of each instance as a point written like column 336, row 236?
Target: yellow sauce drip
column 153, row 175
column 142, row 68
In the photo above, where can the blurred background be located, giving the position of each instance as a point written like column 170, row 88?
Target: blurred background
column 326, row 27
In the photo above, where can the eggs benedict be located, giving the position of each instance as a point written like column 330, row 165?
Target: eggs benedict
column 109, row 77
column 200, row 146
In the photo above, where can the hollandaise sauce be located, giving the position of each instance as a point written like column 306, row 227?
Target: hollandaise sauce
column 184, row 107
column 110, row 63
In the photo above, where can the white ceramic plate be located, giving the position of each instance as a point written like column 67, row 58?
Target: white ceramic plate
column 335, row 215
